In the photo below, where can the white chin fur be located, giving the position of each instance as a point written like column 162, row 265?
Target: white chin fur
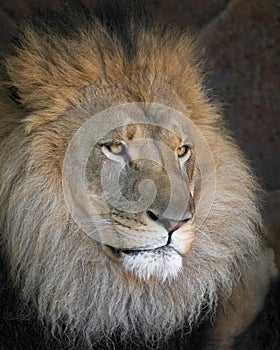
column 162, row 264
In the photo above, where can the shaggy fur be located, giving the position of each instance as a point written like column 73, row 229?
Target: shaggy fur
column 60, row 75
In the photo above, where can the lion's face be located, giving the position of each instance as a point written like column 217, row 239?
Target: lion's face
column 139, row 178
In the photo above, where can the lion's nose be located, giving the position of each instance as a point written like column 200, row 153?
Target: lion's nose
column 170, row 225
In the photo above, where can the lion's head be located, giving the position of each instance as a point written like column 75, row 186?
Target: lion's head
column 125, row 206
column 130, row 184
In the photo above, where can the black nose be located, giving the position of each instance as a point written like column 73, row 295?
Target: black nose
column 170, row 225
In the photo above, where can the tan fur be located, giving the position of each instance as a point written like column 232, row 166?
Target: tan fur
column 65, row 274
column 49, row 86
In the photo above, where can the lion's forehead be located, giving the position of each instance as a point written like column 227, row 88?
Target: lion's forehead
column 147, row 131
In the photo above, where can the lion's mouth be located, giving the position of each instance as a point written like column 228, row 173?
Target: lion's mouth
column 117, row 252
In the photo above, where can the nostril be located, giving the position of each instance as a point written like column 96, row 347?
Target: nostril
column 152, row 216
column 174, row 226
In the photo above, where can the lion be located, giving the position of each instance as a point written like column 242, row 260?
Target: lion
column 153, row 230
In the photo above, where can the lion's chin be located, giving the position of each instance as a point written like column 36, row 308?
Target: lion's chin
column 161, row 264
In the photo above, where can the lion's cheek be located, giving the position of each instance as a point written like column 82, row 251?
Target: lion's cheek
column 182, row 241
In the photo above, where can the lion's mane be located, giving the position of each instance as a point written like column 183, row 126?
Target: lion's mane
column 75, row 288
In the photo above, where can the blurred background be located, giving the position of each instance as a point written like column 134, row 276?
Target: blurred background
column 241, row 40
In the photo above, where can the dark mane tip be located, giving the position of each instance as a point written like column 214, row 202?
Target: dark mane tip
column 122, row 18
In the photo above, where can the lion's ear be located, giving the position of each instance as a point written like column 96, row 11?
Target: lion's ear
column 47, row 74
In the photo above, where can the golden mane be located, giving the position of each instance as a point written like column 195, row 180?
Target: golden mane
column 51, row 72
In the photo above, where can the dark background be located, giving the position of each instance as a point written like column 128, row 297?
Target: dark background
column 241, row 40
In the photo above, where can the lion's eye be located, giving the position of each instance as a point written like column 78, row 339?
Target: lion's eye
column 116, row 148
column 183, row 152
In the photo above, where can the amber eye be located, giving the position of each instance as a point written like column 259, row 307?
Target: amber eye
column 183, row 152
column 116, row 148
